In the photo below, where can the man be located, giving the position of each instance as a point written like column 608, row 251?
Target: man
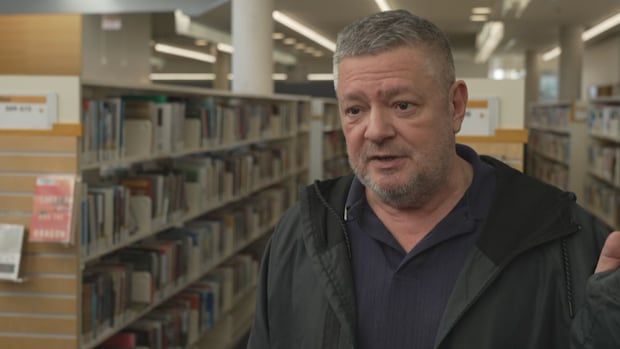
column 429, row 245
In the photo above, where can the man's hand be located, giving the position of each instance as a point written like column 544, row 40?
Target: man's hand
column 610, row 255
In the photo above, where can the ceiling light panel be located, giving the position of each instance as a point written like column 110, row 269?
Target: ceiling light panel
column 181, row 52
column 303, row 30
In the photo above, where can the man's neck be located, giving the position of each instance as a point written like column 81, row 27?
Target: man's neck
column 410, row 225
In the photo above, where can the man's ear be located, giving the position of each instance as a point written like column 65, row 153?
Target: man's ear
column 458, row 103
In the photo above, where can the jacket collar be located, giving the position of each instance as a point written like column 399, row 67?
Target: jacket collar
column 524, row 214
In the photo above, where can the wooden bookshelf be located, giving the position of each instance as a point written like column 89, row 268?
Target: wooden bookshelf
column 46, row 310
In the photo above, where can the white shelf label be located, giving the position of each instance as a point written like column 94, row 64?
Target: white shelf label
column 34, row 111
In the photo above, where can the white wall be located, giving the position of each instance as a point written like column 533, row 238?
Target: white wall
column 511, row 95
column 122, row 55
column 601, row 64
column 467, row 68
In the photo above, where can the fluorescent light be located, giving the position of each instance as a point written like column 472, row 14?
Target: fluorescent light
column 300, row 46
column 309, row 50
column 478, row 18
column 289, row 41
column 551, row 54
column 274, row 76
column 317, row 54
column 517, row 5
column 303, row 30
column 277, row 36
column 182, row 76
column 601, row 27
column 225, row 47
column 201, row 42
column 481, row 10
column 383, row 5
column 177, row 51
column 487, row 40
column 586, row 35
column 320, row 77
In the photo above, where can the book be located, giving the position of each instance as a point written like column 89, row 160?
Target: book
column 123, row 340
column 11, row 242
column 53, row 209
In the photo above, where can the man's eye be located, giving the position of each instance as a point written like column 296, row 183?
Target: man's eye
column 403, row 106
column 353, row 111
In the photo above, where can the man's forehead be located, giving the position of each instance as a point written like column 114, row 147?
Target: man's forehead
column 415, row 60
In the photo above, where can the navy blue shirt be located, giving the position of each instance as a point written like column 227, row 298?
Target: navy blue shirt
column 401, row 296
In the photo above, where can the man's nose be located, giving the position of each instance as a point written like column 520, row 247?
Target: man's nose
column 380, row 126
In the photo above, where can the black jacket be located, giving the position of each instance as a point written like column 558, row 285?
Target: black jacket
column 522, row 286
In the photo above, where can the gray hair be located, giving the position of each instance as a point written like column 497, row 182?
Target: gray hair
column 388, row 30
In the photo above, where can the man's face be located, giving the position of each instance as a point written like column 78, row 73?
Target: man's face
column 399, row 123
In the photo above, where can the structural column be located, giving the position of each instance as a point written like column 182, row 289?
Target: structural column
column 532, row 80
column 571, row 62
column 252, row 61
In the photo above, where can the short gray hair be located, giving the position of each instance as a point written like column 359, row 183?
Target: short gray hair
column 388, row 30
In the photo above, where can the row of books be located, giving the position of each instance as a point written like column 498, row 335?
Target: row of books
column 604, row 120
column 603, row 200
column 150, row 269
column 554, row 146
column 116, row 128
column 604, row 162
column 549, row 172
column 227, row 122
column 302, row 152
column 334, row 145
column 215, row 178
column 180, row 322
column 106, row 215
column 136, row 201
column 550, row 117
column 142, row 126
column 331, row 117
column 113, row 211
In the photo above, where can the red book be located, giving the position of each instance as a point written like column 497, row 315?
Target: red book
column 123, row 340
column 53, row 209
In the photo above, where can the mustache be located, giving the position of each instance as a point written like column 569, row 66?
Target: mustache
column 371, row 150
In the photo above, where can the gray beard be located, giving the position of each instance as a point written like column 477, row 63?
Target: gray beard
column 415, row 193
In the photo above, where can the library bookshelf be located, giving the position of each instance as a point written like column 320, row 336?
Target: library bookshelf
column 602, row 185
column 328, row 148
column 213, row 196
column 556, row 152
